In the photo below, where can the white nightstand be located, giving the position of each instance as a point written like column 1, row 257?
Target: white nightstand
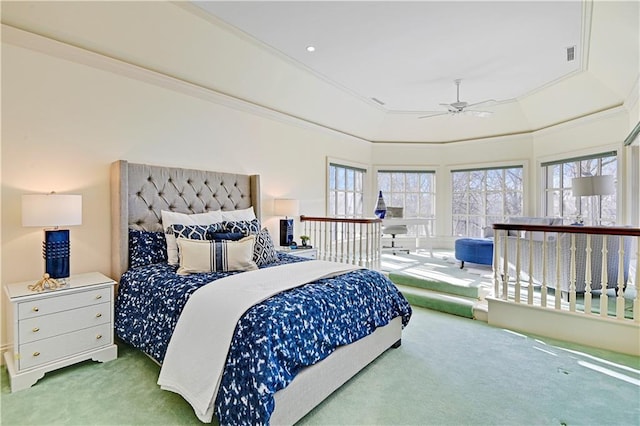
column 56, row 328
column 307, row 253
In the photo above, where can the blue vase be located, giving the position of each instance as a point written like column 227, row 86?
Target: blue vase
column 381, row 207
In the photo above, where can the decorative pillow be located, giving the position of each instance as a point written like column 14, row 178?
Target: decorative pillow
column 146, row 248
column 196, row 232
column 238, row 215
column 222, row 256
column 247, row 227
column 264, row 251
column 170, row 218
column 233, row 236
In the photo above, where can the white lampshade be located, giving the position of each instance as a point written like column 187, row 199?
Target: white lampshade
column 593, row 185
column 285, row 207
column 46, row 210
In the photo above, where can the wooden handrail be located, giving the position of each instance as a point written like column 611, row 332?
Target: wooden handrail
column 339, row 219
column 601, row 230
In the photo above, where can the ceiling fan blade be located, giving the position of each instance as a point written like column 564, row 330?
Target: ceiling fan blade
column 481, row 103
column 434, row 114
column 478, row 113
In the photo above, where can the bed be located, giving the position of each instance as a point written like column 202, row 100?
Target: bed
column 152, row 295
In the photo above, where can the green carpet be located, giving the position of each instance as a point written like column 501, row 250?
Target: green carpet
column 449, row 304
column 448, row 371
column 437, row 282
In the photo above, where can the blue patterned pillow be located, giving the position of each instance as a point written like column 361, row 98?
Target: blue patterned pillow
column 146, row 248
column 233, row 236
column 196, row 232
column 247, row 227
column 264, row 251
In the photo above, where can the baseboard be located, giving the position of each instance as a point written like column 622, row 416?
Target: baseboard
column 589, row 330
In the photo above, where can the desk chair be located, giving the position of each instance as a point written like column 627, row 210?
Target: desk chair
column 393, row 230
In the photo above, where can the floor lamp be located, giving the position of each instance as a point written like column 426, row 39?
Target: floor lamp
column 592, row 186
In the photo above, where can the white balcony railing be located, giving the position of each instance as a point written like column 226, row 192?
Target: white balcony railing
column 354, row 241
column 583, row 273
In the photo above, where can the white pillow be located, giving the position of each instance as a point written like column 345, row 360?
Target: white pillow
column 171, row 218
column 238, row 215
column 223, row 256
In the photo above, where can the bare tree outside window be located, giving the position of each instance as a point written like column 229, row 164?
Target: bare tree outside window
column 482, row 197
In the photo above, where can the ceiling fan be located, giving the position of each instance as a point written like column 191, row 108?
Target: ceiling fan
column 460, row 107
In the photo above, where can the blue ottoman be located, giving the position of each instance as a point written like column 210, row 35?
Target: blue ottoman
column 474, row 250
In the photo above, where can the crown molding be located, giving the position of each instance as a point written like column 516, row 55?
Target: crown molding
column 80, row 55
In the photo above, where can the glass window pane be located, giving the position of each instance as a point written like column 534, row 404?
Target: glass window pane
column 476, row 180
column 460, row 203
column 494, row 180
column 412, row 182
column 460, row 181
column 494, row 203
column 513, row 204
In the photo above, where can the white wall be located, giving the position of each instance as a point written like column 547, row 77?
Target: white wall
column 64, row 123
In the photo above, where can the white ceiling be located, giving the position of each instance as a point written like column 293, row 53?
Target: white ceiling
column 407, row 54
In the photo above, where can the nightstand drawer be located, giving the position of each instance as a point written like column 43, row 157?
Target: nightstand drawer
column 53, row 348
column 58, row 301
column 45, row 326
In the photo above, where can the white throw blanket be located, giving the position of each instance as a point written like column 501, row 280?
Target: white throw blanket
column 197, row 352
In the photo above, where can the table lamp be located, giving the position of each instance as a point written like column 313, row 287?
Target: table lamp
column 591, row 186
column 286, row 207
column 51, row 211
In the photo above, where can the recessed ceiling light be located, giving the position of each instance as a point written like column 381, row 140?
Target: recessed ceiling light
column 311, row 49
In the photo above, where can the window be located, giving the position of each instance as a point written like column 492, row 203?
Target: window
column 414, row 190
column 346, row 191
column 481, row 197
column 560, row 202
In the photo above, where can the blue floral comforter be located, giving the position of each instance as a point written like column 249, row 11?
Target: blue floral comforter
column 274, row 339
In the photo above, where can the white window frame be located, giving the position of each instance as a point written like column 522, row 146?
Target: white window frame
column 566, row 199
column 361, row 193
column 484, row 222
column 398, row 198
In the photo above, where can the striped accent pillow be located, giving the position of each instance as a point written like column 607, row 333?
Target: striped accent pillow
column 198, row 256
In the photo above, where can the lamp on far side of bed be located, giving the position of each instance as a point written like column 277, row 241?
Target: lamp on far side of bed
column 286, row 208
column 51, row 211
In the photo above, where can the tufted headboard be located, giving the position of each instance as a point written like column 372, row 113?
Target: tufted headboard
column 140, row 191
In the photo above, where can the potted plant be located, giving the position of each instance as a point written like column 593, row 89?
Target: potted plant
column 305, row 239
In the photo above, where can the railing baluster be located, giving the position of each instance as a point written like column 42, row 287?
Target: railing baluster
column 572, row 275
column 347, row 240
column 558, row 289
column 636, row 301
column 588, row 279
column 620, row 286
column 604, row 280
column 518, row 269
column 505, row 270
column 543, row 290
column 530, row 288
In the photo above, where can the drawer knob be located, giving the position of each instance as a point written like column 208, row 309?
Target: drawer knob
column 99, row 296
column 98, row 315
column 35, row 329
column 99, row 336
column 35, row 309
column 36, row 354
